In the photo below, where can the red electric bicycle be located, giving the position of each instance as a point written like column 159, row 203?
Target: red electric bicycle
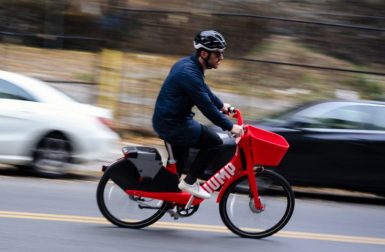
column 254, row 202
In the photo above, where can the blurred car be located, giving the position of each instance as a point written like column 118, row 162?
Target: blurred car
column 333, row 144
column 43, row 129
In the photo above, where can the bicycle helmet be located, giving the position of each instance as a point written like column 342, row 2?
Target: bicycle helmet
column 210, row 41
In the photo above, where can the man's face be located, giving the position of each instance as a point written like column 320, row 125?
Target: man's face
column 214, row 58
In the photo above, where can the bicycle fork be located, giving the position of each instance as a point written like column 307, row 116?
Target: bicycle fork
column 254, row 190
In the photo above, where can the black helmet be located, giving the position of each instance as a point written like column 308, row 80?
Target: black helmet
column 210, row 41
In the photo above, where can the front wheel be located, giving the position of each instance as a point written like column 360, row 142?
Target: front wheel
column 239, row 214
column 126, row 210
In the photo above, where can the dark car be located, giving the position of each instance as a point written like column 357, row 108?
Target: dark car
column 333, row 144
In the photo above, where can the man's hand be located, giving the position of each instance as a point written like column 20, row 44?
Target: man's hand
column 225, row 108
column 237, row 130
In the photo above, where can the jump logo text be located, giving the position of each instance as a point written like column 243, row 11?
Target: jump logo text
column 219, row 178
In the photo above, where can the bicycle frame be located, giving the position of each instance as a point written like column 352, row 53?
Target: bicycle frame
column 233, row 171
column 240, row 165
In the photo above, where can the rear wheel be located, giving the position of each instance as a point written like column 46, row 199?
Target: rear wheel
column 52, row 155
column 126, row 210
column 239, row 214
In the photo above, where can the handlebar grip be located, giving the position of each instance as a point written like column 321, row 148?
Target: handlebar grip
column 231, row 110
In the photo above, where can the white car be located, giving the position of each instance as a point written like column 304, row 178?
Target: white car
column 43, row 129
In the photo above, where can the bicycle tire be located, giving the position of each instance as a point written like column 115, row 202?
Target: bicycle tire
column 275, row 193
column 108, row 191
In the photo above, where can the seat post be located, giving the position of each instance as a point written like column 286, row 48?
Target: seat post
column 171, row 159
column 171, row 162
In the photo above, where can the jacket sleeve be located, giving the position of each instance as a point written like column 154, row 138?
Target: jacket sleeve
column 194, row 88
column 218, row 103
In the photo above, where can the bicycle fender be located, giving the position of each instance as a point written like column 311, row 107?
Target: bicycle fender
column 228, row 183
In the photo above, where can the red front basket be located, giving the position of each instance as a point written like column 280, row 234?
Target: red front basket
column 267, row 148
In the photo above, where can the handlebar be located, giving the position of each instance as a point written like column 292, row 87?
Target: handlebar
column 236, row 114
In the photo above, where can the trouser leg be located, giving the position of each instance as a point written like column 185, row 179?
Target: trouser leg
column 180, row 155
column 210, row 145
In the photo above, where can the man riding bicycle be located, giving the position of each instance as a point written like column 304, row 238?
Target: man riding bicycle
column 173, row 119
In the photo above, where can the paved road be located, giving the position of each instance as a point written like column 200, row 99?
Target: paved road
column 61, row 215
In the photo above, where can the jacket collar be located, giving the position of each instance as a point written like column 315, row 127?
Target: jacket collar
column 194, row 57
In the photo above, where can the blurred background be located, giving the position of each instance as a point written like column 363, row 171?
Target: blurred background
column 113, row 55
column 116, row 53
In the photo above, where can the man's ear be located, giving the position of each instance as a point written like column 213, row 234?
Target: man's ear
column 204, row 54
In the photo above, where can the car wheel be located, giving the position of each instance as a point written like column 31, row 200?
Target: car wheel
column 52, row 156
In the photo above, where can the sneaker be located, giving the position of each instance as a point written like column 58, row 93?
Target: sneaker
column 194, row 189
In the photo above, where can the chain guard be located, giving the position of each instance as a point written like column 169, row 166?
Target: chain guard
column 183, row 212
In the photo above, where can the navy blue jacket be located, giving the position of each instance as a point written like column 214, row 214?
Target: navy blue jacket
column 183, row 89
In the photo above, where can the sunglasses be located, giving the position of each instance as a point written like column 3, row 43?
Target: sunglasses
column 218, row 54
